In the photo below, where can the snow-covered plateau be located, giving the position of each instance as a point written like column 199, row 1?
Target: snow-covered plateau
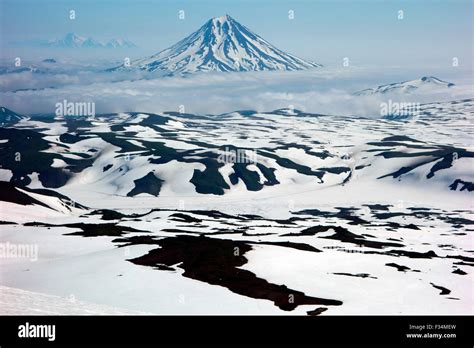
column 278, row 212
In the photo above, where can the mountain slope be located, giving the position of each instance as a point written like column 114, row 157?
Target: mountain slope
column 117, row 43
column 423, row 83
column 9, row 117
column 221, row 44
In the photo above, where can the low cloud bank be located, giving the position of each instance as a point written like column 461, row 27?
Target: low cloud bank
column 319, row 91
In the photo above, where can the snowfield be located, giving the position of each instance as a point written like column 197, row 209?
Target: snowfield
column 136, row 213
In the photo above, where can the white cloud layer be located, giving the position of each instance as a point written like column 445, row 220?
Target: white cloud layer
column 327, row 91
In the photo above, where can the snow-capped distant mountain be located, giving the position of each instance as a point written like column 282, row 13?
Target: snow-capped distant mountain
column 221, row 44
column 72, row 40
column 117, row 43
column 424, row 83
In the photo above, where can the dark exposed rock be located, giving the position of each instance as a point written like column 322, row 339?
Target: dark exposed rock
column 217, row 262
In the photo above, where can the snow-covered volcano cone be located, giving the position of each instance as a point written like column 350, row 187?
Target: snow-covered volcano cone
column 222, row 44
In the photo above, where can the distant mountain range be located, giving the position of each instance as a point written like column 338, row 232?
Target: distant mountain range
column 423, row 83
column 221, row 44
column 72, row 40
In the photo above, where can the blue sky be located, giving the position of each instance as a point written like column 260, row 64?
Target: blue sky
column 367, row 31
